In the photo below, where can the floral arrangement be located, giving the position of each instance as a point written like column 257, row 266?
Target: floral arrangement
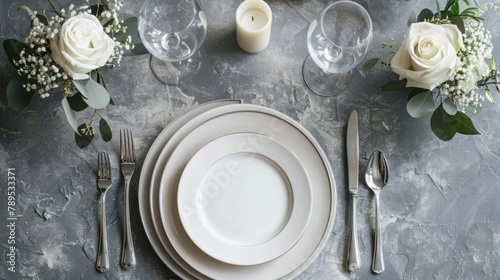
column 67, row 50
column 442, row 59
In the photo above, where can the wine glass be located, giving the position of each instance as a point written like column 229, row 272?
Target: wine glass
column 173, row 31
column 337, row 40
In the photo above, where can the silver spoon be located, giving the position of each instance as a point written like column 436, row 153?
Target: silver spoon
column 376, row 177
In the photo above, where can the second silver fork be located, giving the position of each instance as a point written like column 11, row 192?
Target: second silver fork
column 127, row 159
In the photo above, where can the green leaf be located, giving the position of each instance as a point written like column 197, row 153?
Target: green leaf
column 449, row 106
column 105, row 130
column 96, row 10
column 420, row 105
column 395, row 85
column 416, row 91
column 455, row 9
column 489, row 96
column 369, row 64
column 442, row 124
column 70, row 115
column 77, row 103
column 95, row 95
column 425, row 14
column 459, row 22
column 412, row 18
column 17, row 96
column 139, row 49
column 132, row 25
column 465, row 125
column 13, row 48
column 83, row 140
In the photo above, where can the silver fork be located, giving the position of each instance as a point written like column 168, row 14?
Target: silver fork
column 104, row 182
column 127, row 158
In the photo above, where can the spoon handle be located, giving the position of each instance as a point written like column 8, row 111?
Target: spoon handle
column 353, row 259
column 378, row 256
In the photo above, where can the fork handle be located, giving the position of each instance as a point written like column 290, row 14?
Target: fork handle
column 102, row 262
column 128, row 254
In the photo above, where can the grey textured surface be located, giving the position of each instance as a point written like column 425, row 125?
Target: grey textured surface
column 440, row 211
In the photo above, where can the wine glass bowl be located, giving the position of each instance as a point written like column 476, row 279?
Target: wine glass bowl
column 173, row 32
column 337, row 41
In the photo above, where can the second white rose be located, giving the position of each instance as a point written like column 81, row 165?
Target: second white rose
column 82, row 46
column 428, row 55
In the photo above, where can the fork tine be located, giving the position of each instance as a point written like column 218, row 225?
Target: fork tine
column 108, row 166
column 131, row 146
column 99, row 165
column 127, row 153
column 122, row 145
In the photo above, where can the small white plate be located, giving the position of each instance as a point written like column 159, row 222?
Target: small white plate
column 244, row 199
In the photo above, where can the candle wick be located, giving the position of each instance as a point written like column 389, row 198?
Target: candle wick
column 252, row 18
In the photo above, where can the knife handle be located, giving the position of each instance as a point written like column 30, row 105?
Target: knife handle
column 353, row 259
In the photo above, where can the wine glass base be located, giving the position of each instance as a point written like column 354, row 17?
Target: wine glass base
column 176, row 73
column 324, row 83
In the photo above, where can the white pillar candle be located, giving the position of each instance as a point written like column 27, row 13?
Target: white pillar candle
column 253, row 25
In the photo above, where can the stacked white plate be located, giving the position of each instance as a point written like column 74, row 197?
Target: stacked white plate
column 236, row 191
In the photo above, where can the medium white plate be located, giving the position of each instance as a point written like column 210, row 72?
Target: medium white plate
column 244, row 199
column 152, row 159
column 253, row 119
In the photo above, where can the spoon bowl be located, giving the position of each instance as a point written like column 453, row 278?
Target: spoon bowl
column 376, row 177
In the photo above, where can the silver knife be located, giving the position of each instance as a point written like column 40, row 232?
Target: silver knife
column 353, row 259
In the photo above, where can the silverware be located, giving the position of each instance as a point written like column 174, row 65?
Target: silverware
column 376, row 177
column 127, row 158
column 353, row 259
column 104, row 182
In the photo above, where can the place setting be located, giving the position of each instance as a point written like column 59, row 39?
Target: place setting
column 232, row 188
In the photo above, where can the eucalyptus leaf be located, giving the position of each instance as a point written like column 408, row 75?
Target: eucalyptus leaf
column 17, row 96
column 83, row 140
column 105, row 130
column 13, row 48
column 449, row 106
column 465, row 124
column 442, row 124
column 77, row 103
column 459, row 22
column 70, row 114
column 420, row 105
column 95, row 95
column 425, row 14
column 395, row 85
column 416, row 91
column 369, row 64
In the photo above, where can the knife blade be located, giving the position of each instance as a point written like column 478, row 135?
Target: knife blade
column 352, row 143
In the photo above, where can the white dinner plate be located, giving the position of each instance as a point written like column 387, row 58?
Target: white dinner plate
column 244, row 199
column 235, row 119
column 152, row 158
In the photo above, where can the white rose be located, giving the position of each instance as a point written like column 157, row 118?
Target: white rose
column 81, row 46
column 428, row 55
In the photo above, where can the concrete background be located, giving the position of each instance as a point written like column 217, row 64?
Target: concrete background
column 440, row 210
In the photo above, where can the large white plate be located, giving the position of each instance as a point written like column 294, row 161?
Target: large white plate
column 244, row 199
column 253, row 119
column 152, row 158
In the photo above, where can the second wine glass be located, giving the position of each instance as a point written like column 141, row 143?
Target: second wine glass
column 173, row 32
column 338, row 41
